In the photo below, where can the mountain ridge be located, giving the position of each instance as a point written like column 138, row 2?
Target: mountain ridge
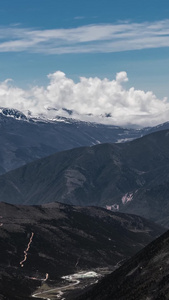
column 122, row 176
column 25, row 139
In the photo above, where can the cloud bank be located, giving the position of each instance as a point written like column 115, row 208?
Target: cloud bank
column 90, row 99
column 92, row 38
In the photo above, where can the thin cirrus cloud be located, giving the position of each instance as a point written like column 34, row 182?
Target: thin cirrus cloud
column 86, row 39
column 90, row 99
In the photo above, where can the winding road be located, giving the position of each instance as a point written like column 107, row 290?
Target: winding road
column 74, row 279
column 26, row 251
column 58, row 290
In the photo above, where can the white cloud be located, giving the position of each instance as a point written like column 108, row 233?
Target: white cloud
column 79, row 18
column 85, row 39
column 88, row 96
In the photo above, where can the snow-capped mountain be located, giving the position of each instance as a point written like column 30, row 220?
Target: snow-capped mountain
column 25, row 138
column 11, row 112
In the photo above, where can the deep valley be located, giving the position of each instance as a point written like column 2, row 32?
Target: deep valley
column 40, row 244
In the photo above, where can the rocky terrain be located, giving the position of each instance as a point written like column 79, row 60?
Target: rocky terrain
column 39, row 244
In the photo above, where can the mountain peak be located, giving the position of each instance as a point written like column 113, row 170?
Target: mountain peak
column 11, row 112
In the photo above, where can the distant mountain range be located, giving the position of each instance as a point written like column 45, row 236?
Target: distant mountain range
column 129, row 177
column 49, row 241
column 25, row 139
column 144, row 276
column 102, row 166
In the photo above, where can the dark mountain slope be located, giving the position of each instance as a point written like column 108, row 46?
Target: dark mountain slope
column 79, row 176
column 125, row 176
column 25, row 139
column 57, row 240
column 144, row 276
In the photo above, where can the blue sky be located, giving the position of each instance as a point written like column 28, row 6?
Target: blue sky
column 96, row 38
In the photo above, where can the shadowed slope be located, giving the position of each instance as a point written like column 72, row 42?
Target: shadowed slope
column 125, row 176
column 144, row 276
column 57, row 240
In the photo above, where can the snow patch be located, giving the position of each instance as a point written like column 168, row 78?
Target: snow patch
column 114, row 207
column 127, row 198
column 124, row 140
column 81, row 275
